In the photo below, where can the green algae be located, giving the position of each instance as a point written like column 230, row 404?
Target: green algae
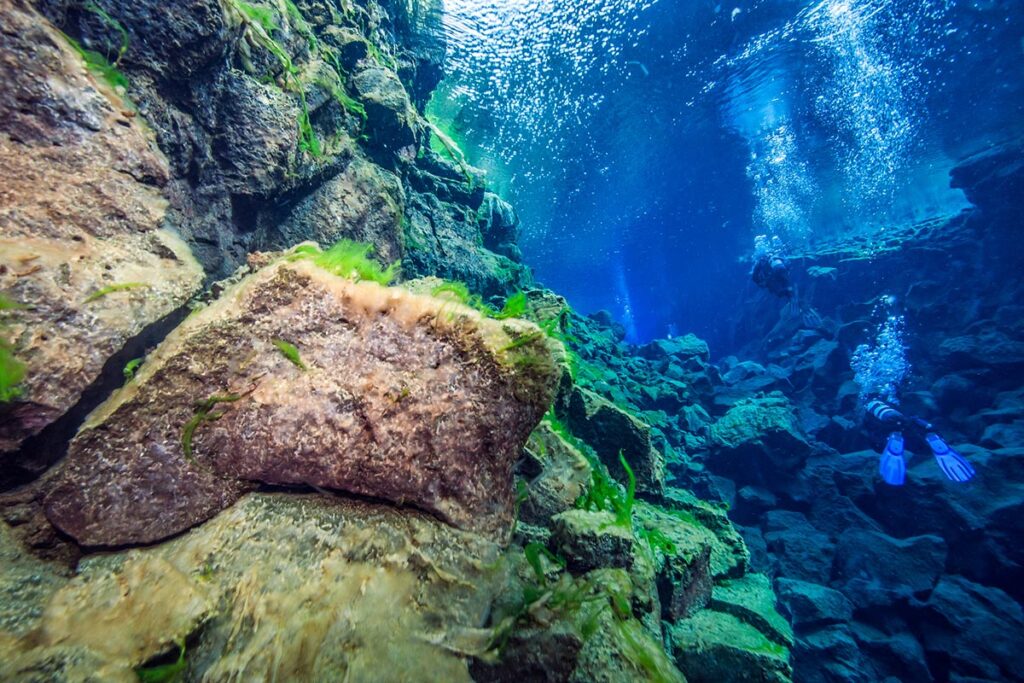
column 290, row 352
column 164, row 673
column 203, row 413
column 110, row 289
column 350, row 260
column 130, row 368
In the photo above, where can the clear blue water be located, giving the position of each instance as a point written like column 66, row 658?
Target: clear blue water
column 645, row 143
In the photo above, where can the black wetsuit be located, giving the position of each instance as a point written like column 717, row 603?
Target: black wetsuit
column 772, row 273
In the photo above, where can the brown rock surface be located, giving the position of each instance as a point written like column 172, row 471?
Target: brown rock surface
column 404, row 397
column 80, row 210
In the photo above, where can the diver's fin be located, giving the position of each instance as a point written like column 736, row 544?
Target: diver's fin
column 952, row 464
column 892, row 466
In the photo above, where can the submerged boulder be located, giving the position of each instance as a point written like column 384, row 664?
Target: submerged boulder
column 298, row 377
column 717, row 647
column 85, row 265
column 611, row 430
column 757, row 438
column 283, row 586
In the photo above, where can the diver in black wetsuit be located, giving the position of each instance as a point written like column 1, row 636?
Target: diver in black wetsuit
column 771, row 270
column 892, row 466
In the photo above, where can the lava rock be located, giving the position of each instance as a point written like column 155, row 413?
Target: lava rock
column 83, row 255
column 392, row 395
column 811, row 604
column 390, row 118
column 591, row 540
column 750, row 599
column 979, row 630
column 563, row 477
column 875, row 569
column 611, row 430
column 716, row 647
column 798, row 549
column 756, row 439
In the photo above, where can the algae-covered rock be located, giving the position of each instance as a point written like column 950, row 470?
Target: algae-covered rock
column 611, row 430
column 390, row 118
column 751, row 600
column 571, row 629
column 716, row 647
column 591, row 540
column 83, row 256
column 563, row 477
column 297, row 376
column 756, row 438
column 286, row 587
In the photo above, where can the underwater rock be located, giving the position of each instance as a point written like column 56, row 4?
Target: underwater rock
column 978, row 630
column 285, row 586
column 441, row 238
column 683, row 349
column 364, row 203
column 591, row 540
column 390, row 119
column 757, row 438
column 83, row 256
column 716, row 647
column 499, row 226
column 797, row 548
column 811, row 604
column 383, row 393
column 751, row 600
column 611, row 430
column 564, row 476
column 831, row 654
column 992, row 178
column 872, row 568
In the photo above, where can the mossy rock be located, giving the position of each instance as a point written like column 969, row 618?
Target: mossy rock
column 752, row 600
column 564, row 474
column 591, row 540
column 716, row 647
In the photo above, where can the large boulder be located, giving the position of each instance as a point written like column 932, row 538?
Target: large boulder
column 296, row 376
column 978, row 630
column 757, row 439
column 83, row 256
column 363, row 202
column 281, row 586
column 610, row 430
column 873, row 569
column 717, row 647
column 563, row 477
column 812, row 605
column 591, row 540
column 390, row 118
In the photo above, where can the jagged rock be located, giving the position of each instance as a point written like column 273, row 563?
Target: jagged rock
column 583, row 632
column 499, row 226
column 284, row 585
column 757, row 438
column 257, row 137
column 875, row 569
column 979, row 630
column 402, row 397
column 364, row 203
column 729, row 555
column 797, row 548
column 591, row 540
column 990, row 177
column 611, row 430
column 81, row 211
column 831, row 654
column 390, row 118
column 716, row 647
column 991, row 349
column 1003, row 435
column 751, row 600
column 563, row 477
column 682, row 348
column 811, row 604
column 898, row 655
column 442, row 239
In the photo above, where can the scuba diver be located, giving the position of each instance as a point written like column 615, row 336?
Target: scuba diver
column 892, row 466
column 771, row 268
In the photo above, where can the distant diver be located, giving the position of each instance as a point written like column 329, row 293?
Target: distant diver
column 892, row 465
column 771, row 268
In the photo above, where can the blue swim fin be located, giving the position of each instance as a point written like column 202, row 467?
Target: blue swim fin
column 953, row 465
column 892, row 466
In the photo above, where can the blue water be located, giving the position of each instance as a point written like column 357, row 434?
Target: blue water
column 646, row 143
